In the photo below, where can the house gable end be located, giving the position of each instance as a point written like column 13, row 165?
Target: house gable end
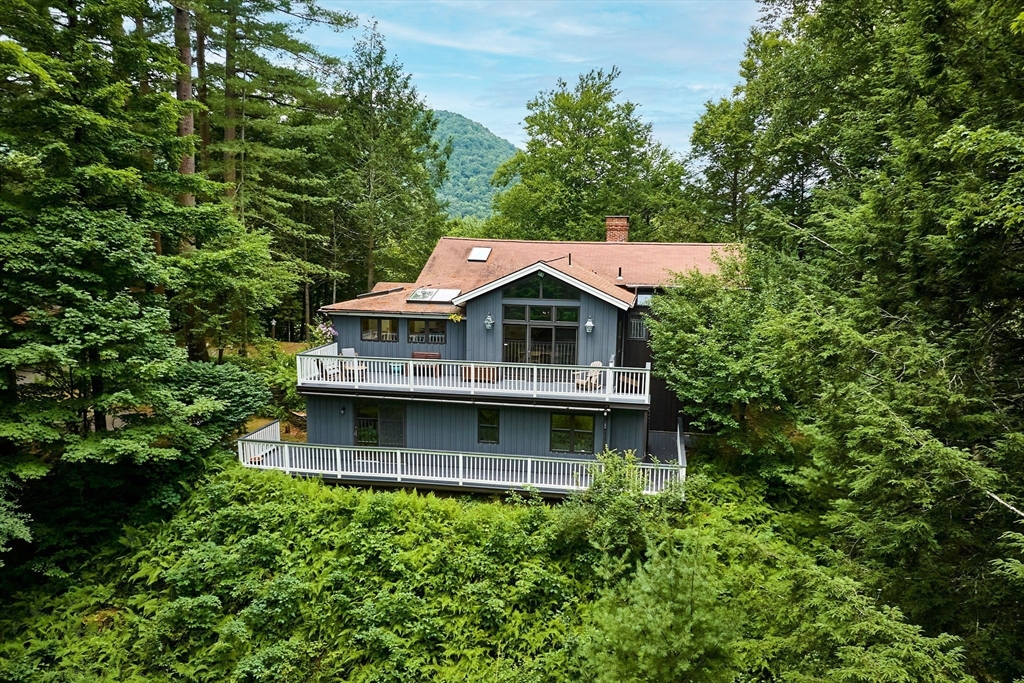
column 622, row 301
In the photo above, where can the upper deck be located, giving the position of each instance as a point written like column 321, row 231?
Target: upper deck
column 323, row 368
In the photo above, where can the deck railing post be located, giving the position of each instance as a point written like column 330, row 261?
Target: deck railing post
column 609, row 376
column 409, row 368
column 337, row 462
column 533, row 381
column 287, row 459
column 398, row 463
column 529, row 470
column 461, row 469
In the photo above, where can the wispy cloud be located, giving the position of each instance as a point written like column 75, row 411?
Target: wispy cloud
column 486, row 59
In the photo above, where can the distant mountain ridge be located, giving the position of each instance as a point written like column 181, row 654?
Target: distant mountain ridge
column 476, row 154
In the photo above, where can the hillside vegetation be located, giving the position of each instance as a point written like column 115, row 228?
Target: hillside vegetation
column 476, row 155
column 260, row 577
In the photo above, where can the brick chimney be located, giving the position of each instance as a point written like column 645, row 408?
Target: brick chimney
column 616, row 228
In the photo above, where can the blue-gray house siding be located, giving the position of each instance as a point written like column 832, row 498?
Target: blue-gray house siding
column 471, row 340
column 453, row 427
column 349, row 336
column 486, row 345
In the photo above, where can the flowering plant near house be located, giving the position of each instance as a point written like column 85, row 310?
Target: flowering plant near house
column 321, row 331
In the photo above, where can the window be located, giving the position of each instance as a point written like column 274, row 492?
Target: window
column 567, row 315
column 426, row 331
column 514, row 312
column 541, row 313
column 487, row 425
column 380, row 425
column 540, row 334
column 637, row 327
column 540, row 287
column 378, row 329
column 572, row 433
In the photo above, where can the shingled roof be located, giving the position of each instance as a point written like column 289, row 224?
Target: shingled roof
column 612, row 267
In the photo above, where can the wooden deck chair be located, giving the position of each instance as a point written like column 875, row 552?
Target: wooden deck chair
column 326, row 372
column 590, row 380
column 352, row 370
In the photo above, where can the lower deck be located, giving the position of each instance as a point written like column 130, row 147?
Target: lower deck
column 461, row 427
column 363, row 465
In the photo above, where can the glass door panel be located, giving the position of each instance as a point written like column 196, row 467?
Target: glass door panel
column 541, row 344
column 514, row 344
column 564, row 352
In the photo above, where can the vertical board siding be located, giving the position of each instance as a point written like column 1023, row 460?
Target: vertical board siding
column 324, row 422
column 348, row 329
column 483, row 344
column 453, row 427
column 599, row 344
column 627, row 431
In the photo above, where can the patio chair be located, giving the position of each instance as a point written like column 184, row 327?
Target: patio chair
column 326, row 372
column 353, row 370
column 590, row 380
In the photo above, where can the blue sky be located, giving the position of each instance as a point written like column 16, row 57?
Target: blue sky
column 484, row 60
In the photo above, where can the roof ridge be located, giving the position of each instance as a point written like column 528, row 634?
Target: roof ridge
column 664, row 244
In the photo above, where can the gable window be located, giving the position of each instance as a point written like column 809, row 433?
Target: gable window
column 378, row 329
column 539, row 287
column 637, row 327
column 572, row 433
column 380, row 425
column 487, row 420
column 427, row 332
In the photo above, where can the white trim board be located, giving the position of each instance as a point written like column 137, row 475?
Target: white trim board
column 540, row 266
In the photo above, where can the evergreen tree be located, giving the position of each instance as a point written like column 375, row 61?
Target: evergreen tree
column 387, row 165
column 89, row 188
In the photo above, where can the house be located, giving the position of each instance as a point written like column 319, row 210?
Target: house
column 507, row 364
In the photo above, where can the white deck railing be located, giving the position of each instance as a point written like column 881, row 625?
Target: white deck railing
column 357, row 464
column 323, row 367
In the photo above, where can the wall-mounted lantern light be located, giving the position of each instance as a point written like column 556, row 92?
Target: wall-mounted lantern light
column 589, row 325
column 488, row 322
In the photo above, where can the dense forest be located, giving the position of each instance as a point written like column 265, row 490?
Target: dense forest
column 476, row 154
column 173, row 176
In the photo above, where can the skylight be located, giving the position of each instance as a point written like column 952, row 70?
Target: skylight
column 427, row 294
column 422, row 294
column 479, row 253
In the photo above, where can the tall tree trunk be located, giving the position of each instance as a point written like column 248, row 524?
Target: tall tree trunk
column 195, row 344
column 308, row 319
column 140, row 32
column 230, row 73
column 99, row 416
column 204, row 94
column 305, row 257
column 186, row 125
column 334, row 256
column 369, row 264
